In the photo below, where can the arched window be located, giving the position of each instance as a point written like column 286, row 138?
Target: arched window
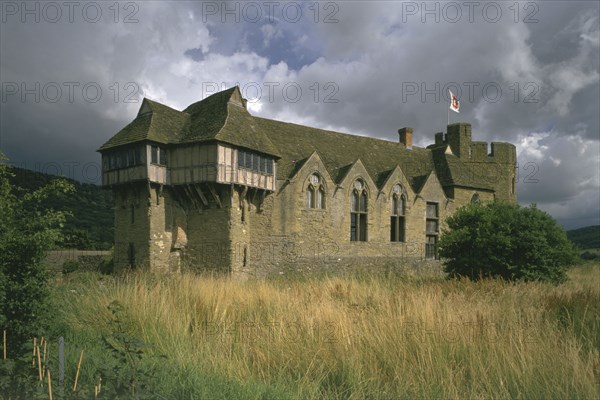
column 358, row 213
column 475, row 198
column 310, row 197
column 321, row 197
column 315, row 193
column 397, row 221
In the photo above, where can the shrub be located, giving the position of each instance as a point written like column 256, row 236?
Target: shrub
column 507, row 241
column 106, row 266
column 589, row 255
column 70, row 266
column 27, row 232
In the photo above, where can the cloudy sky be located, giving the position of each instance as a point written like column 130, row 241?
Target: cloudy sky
column 73, row 74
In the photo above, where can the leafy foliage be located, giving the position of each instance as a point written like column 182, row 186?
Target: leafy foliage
column 507, row 241
column 90, row 223
column 28, row 230
column 131, row 376
column 70, row 266
column 586, row 238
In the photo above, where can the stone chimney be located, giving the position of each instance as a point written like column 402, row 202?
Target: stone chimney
column 406, row 137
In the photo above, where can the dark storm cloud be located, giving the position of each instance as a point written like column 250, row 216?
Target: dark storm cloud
column 357, row 64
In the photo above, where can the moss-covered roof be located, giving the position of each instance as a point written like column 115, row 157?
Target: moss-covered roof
column 453, row 172
column 155, row 122
column 223, row 117
column 214, row 118
column 339, row 151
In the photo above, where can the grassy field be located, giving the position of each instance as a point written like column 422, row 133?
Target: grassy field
column 371, row 336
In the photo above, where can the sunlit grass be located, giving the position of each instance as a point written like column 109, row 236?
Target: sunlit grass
column 361, row 337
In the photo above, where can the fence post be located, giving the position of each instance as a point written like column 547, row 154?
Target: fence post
column 61, row 365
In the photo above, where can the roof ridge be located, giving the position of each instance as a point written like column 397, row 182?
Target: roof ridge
column 345, row 134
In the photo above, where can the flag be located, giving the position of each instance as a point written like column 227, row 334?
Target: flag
column 454, row 103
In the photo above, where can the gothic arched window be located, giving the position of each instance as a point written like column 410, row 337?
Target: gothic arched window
column 397, row 221
column 358, row 213
column 315, row 193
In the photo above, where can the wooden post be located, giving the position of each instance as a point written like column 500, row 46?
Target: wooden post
column 44, row 359
column 34, row 347
column 77, row 372
column 39, row 359
column 49, row 386
column 61, row 366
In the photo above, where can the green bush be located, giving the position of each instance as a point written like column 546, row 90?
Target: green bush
column 502, row 240
column 27, row 232
column 70, row 266
column 590, row 255
column 106, row 266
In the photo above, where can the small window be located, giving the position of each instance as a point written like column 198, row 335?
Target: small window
column 269, row 163
column 163, row 156
column 154, row 154
column 138, row 155
column 247, row 160
column 315, row 193
column 241, row 159
column 131, row 255
column 432, row 210
column 255, row 162
column 475, row 198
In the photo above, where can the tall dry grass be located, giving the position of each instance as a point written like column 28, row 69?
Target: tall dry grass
column 367, row 337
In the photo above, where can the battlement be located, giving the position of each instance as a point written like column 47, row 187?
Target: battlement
column 459, row 138
column 504, row 153
column 479, row 151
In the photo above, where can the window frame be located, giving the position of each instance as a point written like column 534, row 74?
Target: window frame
column 315, row 192
column 431, row 237
column 398, row 218
column 359, row 215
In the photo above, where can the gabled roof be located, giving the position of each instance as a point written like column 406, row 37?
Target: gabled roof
column 155, row 122
column 223, row 117
column 218, row 117
column 339, row 151
column 451, row 171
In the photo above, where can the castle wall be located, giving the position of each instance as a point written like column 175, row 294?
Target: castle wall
column 284, row 235
column 131, row 226
column 246, row 231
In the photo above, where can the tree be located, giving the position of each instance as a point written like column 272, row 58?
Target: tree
column 27, row 233
column 505, row 240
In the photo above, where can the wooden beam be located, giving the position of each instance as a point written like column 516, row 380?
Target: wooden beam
column 200, row 194
column 190, row 194
column 215, row 195
column 254, row 195
column 159, row 194
column 243, row 194
column 149, row 193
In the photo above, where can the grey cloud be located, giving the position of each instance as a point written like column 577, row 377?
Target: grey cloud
column 370, row 55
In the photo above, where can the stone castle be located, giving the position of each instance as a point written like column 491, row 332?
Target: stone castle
column 213, row 188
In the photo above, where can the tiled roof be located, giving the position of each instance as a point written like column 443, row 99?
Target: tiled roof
column 160, row 124
column 218, row 118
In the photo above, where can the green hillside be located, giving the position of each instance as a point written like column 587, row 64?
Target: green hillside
column 586, row 238
column 91, row 226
